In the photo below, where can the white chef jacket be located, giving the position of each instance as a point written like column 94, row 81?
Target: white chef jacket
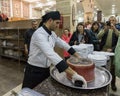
column 42, row 45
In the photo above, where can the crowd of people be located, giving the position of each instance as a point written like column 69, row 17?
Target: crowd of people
column 103, row 36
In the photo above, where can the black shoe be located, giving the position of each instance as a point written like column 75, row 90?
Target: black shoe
column 114, row 88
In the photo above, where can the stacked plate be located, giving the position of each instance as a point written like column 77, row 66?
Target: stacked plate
column 90, row 48
column 99, row 60
column 108, row 54
column 84, row 49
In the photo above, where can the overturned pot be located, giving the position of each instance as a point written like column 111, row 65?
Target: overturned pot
column 83, row 66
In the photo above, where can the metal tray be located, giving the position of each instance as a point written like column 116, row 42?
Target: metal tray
column 102, row 78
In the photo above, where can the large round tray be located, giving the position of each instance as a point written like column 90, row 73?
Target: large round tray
column 102, row 78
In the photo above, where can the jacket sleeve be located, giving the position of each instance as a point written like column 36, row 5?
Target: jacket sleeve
column 26, row 37
column 73, row 39
column 100, row 34
column 42, row 42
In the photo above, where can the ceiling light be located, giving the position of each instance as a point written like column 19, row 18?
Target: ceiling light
column 95, row 6
column 39, row 5
column 113, row 5
column 78, row 1
column 50, row 3
column 97, row 9
column 113, row 11
column 30, row 1
column 113, row 8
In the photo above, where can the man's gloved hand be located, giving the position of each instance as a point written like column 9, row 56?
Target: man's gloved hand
column 77, row 77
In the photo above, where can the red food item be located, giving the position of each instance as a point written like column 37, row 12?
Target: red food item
column 83, row 67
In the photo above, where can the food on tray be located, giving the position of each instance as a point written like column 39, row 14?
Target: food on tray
column 83, row 66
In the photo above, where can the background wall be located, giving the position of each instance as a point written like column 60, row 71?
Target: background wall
column 19, row 10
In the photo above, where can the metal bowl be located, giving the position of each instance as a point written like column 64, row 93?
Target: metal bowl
column 102, row 78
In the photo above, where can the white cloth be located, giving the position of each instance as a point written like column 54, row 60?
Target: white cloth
column 42, row 52
column 76, row 77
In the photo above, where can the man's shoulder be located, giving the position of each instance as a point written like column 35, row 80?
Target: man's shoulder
column 29, row 30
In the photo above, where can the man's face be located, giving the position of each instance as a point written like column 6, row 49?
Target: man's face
column 112, row 20
column 34, row 25
column 54, row 24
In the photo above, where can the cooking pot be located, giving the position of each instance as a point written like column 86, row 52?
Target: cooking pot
column 83, row 66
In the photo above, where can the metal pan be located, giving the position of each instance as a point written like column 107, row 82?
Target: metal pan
column 102, row 78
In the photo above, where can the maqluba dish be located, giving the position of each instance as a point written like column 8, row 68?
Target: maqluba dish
column 83, row 66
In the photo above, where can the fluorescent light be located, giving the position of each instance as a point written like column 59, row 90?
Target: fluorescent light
column 97, row 9
column 30, row 1
column 95, row 6
column 50, row 3
column 113, row 5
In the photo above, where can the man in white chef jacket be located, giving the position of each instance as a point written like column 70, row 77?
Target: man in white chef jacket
column 42, row 53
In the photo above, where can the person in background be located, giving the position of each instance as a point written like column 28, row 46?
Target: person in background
column 66, row 37
column 79, row 36
column 88, row 25
column 117, row 58
column 5, row 17
column 42, row 53
column 109, row 37
column 1, row 19
column 93, row 39
column 28, row 35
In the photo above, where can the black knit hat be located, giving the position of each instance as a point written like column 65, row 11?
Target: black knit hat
column 55, row 15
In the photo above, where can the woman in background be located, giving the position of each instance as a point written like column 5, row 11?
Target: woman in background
column 79, row 36
column 66, row 37
column 93, row 36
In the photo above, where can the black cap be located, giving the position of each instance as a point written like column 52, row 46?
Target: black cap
column 55, row 15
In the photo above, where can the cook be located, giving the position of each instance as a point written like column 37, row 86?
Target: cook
column 42, row 53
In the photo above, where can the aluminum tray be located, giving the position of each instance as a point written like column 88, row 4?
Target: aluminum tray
column 102, row 78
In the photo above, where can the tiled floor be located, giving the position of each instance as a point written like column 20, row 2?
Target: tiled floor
column 13, row 91
column 117, row 93
column 11, row 75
